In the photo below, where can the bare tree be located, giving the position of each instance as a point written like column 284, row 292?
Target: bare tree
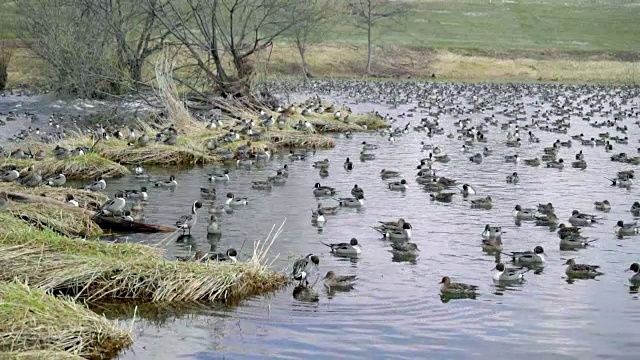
column 318, row 17
column 367, row 12
column 212, row 31
column 6, row 52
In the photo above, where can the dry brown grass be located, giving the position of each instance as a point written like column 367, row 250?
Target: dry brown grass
column 34, row 324
column 84, row 197
column 185, row 153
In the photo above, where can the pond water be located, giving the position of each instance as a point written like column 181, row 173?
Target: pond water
column 395, row 310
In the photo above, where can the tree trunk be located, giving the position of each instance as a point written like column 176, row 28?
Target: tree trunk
column 369, row 45
column 303, row 59
column 135, row 70
column 4, row 76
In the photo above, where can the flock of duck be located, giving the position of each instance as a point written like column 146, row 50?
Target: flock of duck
column 529, row 110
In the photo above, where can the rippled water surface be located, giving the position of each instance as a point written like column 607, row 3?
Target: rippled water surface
column 395, row 310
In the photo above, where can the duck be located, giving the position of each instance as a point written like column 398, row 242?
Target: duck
column 513, row 178
column 322, row 164
column 571, row 242
column 483, row 203
column 549, row 219
column 354, row 202
column 404, row 248
column 208, row 193
column 579, row 219
column 98, row 184
column 532, row 162
column 333, row 281
column 326, row 210
column 69, row 199
column 220, row 177
column 523, row 214
column 347, row 249
column 476, row 159
column 323, row 172
column 536, row 256
column 138, row 170
column 512, row 158
column 368, row 147
column 113, row 206
column 348, row 165
column 32, row 179
column 635, row 278
column 10, row 175
column 442, row 196
column 137, row 194
column 456, row 288
column 199, row 256
column 395, row 232
column 506, row 274
column 492, row 245
column 319, row 190
column 57, row 180
column 230, row 255
column 622, row 229
column 581, row 270
column 167, row 184
column 186, row 222
column 635, row 208
column 318, row 217
column 603, row 205
column 491, row 232
column 356, row 190
column 398, row 185
column 278, row 180
column 467, row 190
column 235, row 202
column 579, row 164
column 303, row 267
column 262, row 185
column 386, row 174
column 556, row 164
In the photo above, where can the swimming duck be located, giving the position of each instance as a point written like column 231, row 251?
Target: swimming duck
column 262, row 185
column 304, row 266
column 506, row 274
column 354, row 202
column 198, row 256
column 546, row 208
column 348, row 165
column 319, row 190
column 512, row 158
column 317, row 216
column 137, row 194
column 492, row 245
column 386, row 174
column 579, row 219
column 369, row 147
column 528, row 257
column 549, row 219
column 325, row 210
column 623, row 183
column 398, row 185
column 603, row 205
column 98, row 184
column 220, row 177
column 581, row 270
column 186, row 222
column 404, row 248
column 579, row 164
column 71, row 200
column 347, row 249
column 491, row 232
column 138, row 170
column 113, row 206
column 622, row 229
column 476, row 159
column 572, row 241
column 442, row 196
column 230, row 255
column 524, row 214
column 635, row 208
column 453, row 288
column 467, row 190
column 322, row 164
column 57, row 180
column 208, row 193
column 167, row 184
column 10, row 175
column 395, row 232
column 486, row 151
column 513, row 178
column 482, row 203
column 279, row 179
column 333, row 281
column 556, row 164
column 532, row 162
column 235, row 202
column 635, row 278
column 323, row 173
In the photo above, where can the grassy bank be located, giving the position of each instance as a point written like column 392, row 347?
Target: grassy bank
column 35, row 325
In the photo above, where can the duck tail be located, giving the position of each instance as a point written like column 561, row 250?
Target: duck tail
column 325, row 244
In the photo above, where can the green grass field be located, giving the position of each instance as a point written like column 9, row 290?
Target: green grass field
column 7, row 20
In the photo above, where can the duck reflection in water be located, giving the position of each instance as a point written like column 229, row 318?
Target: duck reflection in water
column 305, row 294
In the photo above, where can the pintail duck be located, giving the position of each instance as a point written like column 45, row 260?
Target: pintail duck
column 512, row 158
column 505, row 274
column 98, row 184
column 319, row 190
column 528, row 257
column 208, row 193
column 113, row 206
column 556, row 164
column 322, row 164
column 453, row 288
column 233, row 201
column 230, row 255
column 348, row 165
column 262, row 185
column 404, row 248
column 369, row 147
column 199, row 256
column 186, row 222
column 347, row 249
column 579, row 219
column 513, row 178
column 549, row 219
column 285, row 171
column 167, row 184
column 476, row 159
column 446, row 181
column 581, row 270
column 71, row 200
column 635, row 208
column 524, row 214
column 546, row 208
column 386, row 174
column 622, row 229
column 491, row 232
column 10, row 175
column 57, row 180
column 354, row 202
column 138, row 170
column 4, row 200
column 623, row 183
column 442, row 196
column 325, row 210
column 278, row 180
column 31, row 179
column 635, row 278
column 486, row 151
column 492, row 245
column 467, row 190
column 303, row 267
column 400, row 231
column 398, row 185
column 333, row 281
column 317, row 216
column 572, row 241
column 603, row 205
column 323, row 172
column 137, row 194
column 482, row 203
column 220, row 177
column 579, row 164
column 532, row 162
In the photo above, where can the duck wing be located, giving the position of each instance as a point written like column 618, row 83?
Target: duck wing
column 183, row 220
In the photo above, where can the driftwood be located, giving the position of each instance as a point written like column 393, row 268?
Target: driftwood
column 105, row 222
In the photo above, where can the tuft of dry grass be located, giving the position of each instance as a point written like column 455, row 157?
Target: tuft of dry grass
column 185, row 153
column 297, row 139
column 51, row 216
column 84, row 197
column 88, row 166
column 34, row 324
